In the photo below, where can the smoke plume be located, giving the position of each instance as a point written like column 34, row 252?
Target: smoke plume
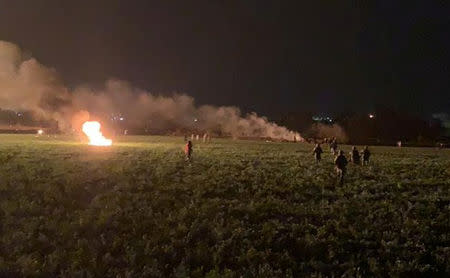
column 320, row 130
column 25, row 84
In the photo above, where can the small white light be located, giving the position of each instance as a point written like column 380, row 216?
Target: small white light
column 121, row 118
column 40, row 132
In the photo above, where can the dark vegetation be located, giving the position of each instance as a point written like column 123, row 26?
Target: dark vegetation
column 251, row 209
column 386, row 127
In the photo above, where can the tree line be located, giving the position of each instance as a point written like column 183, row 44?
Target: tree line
column 382, row 127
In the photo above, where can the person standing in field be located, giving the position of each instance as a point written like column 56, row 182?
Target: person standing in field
column 317, row 151
column 206, row 137
column 333, row 146
column 341, row 163
column 188, row 150
column 365, row 153
column 354, row 155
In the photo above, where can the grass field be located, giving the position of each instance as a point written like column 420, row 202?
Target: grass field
column 241, row 208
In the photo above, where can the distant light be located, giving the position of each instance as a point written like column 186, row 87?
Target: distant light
column 195, row 120
column 19, row 114
column 371, row 116
column 322, row 119
column 40, row 132
column 121, row 118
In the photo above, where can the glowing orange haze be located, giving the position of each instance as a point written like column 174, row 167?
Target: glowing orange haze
column 96, row 138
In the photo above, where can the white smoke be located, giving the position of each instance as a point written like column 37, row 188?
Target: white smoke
column 25, row 84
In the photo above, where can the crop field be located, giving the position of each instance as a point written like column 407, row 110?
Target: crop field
column 239, row 209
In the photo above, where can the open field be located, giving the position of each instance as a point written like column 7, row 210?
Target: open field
column 255, row 209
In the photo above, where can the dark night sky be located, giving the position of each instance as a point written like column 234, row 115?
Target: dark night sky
column 266, row 56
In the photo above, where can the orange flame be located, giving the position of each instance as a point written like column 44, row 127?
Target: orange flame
column 96, row 138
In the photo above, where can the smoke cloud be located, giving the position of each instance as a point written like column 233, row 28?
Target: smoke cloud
column 320, row 130
column 25, row 84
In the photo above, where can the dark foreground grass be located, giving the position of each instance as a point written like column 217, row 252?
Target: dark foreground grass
column 241, row 208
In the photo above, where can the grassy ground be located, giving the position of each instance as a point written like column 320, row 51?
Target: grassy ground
column 241, row 208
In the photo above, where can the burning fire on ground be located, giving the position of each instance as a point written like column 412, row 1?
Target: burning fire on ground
column 96, row 138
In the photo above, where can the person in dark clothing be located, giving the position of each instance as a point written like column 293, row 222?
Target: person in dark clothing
column 365, row 154
column 354, row 155
column 341, row 163
column 317, row 151
column 188, row 150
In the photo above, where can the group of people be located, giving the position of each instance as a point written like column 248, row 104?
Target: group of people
column 340, row 160
column 206, row 137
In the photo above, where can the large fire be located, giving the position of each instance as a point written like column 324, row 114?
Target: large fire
column 96, row 138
